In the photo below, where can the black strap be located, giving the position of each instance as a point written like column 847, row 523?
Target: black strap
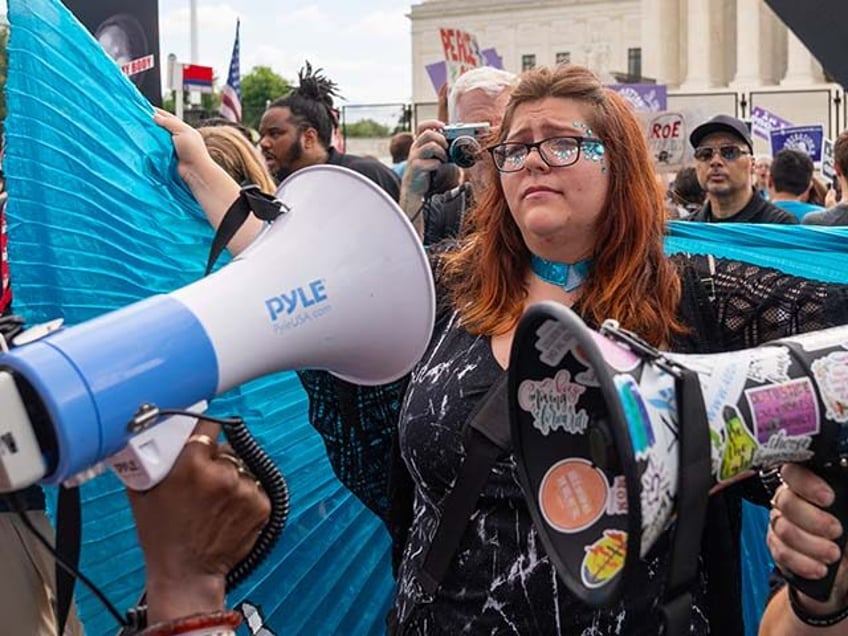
column 68, row 540
column 486, row 438
column 693, row 488
column 251, row 198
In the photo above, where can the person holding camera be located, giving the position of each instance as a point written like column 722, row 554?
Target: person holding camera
column 476, row 103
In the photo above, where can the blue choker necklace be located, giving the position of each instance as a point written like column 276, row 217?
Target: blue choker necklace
column 569, row 276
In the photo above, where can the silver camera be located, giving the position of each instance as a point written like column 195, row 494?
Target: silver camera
column 464, row 142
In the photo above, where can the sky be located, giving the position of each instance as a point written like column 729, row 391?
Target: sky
column 363, row 45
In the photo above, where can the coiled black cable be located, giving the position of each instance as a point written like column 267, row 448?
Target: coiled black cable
column 272, row 480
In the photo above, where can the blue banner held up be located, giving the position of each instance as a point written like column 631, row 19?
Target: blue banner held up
column 809, row 139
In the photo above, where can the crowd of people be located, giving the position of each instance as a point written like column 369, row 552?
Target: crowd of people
column 562, row 204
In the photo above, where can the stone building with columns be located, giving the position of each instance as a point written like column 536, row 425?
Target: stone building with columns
column 713, row 55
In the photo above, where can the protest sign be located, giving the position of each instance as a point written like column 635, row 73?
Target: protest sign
column 129, row 32
column 827, row 168
column 461, row 52
column 763, row 122
column 808, row 139
column 667, row 137
column 438, row 71
column 643, row 97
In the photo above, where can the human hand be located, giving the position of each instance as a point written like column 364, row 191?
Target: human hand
column 801, row 535
column 428, row 152
column 195, row 163
column 195, row 526
column 831, row 199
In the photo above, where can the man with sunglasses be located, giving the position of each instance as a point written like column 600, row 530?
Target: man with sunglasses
column 724, row 163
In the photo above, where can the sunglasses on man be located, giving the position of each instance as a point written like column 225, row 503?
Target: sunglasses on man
column 728, row 153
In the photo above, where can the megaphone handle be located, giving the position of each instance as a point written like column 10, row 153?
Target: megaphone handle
column 820, row 589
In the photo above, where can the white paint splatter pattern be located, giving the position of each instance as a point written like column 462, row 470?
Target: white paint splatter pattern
column 500, row 580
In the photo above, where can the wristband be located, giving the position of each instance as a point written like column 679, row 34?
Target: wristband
column 814, row 620
column 211, row 624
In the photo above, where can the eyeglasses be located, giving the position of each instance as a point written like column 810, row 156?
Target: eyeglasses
column 557, row 152
column 728, row 153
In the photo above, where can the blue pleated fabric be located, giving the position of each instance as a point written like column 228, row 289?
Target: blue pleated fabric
column 98, row 219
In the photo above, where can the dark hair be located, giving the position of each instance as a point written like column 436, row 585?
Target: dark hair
column 840, row 153
column 791, row 171
column 311, row 103
column 399, row 146
column 445, row 178
column 686, row 190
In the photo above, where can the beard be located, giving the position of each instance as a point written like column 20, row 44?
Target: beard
column 292, row 156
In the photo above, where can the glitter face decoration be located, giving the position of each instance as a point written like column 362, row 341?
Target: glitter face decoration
column 592, row 150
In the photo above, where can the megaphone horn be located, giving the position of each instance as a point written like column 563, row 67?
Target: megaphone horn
column 340, row 282
column 597, row 432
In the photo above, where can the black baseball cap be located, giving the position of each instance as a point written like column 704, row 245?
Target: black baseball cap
column 722, row 123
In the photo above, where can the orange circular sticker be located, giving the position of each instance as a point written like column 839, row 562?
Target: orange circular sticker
column 573, row 495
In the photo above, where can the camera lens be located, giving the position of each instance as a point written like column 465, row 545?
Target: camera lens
column 463, row 151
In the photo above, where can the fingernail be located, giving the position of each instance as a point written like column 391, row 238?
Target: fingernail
column 821, row 570
column 834, row 555
column 835, row 530
column 825, row 497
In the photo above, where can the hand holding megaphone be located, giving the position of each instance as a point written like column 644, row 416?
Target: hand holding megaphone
column 804, row 539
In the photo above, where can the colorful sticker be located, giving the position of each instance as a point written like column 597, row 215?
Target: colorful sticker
column 617, row 500
column 573, row 495
column 553, row 403
column 824, row 339
column 614, row 355
column 790, row 407
column 723, row 377
column 604, row 559
column 781, row 449
column 638, row 423
column 770, row 364
column 739, row 445
column 831, row 373
column 554, row 340
column 656, row 498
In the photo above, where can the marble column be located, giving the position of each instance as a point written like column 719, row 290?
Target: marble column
column 701, row 47
column 802, row 69
column 661, row 50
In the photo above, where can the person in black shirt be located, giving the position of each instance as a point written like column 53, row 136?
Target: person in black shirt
column 296, row 131
column 723, row 155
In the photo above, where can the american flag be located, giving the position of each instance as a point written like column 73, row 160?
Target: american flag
column 231, row 95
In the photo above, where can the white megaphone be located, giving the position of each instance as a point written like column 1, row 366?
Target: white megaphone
column 602, row 423
column 339, row 282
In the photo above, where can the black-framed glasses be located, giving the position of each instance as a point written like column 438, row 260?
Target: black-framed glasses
column 728, row 153
column 557, row 152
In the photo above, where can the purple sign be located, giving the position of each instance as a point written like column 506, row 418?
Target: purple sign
column 808, row 139
column 438, row 71
column 644, row 98
column 763, row 122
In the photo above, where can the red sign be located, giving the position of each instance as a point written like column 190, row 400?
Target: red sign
column 197, row 75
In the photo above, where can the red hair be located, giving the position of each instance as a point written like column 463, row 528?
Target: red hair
column 631, row 279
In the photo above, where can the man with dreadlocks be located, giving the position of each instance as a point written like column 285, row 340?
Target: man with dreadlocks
column 296, row 131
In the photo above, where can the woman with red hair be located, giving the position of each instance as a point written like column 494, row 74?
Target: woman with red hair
column 572, row 213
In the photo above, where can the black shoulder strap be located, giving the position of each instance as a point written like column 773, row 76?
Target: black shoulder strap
column 693, row 487
column 264, row 206
column 487, row 437
column 68, row 539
